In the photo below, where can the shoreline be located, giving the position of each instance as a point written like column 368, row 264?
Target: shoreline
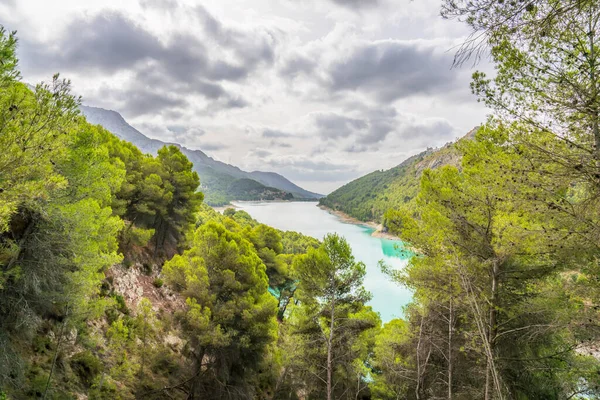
column 220, row 209
column 232, row 205
column 378, row 228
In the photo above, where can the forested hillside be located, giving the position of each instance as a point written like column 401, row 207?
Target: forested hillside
column 369, row 197
column 220, row 182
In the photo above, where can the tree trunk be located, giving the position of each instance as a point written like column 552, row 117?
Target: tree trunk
column 418, row 385
column 329, row 353
column 450, row 332
column 594, row 97
column 492, row 329
column 59, row 342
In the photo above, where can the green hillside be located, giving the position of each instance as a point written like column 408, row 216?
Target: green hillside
column 220, row 188
column 369, row 196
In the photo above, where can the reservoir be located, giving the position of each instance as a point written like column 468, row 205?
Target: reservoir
column 308, row 219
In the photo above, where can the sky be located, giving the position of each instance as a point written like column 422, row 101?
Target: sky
column 321, row 91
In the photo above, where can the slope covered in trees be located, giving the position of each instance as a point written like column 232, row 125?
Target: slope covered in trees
column 369, row 197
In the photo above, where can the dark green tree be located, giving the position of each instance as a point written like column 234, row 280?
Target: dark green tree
column 230, row 316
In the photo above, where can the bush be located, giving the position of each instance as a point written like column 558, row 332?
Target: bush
column 41, row 344
column 86, row 366
column 146, row 269
column 158, row 283
column 121, row 306
column 164, row 363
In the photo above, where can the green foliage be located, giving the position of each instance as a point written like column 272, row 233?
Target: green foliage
column 157, row 282
column 276, row 249
column 158, row 197
column 8, row 67
column 230, row 316
column 120, row 303
column 488, row 277
column 86, row 366
column 65, row 187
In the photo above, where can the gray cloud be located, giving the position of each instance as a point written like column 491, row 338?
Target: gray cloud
column 356, row 4
column 237, row 102
column 177, row 129
column 108, row 42
column 275, row 133
column 310, row 164
column 212, row 146
column 428, row 131
column 182, row 65
column 331, row 125
column 356, row 148
column 390, row 70
column 368, row 127
column 142, row 101
column 371, row 127
column 382, row 121
column 277, row 143
column 253, row 49
column 152, row 76
column 161, row 4
column 183, row 134
column 297, row 64
column 304, row 168
column 261, row 153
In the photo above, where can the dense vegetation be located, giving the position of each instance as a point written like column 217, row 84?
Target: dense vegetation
column 117, row 282
column 505, row 286
column 221, row 189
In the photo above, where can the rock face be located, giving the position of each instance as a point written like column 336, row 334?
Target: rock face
column 135, row 282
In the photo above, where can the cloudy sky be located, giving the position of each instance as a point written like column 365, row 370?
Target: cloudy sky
column 322, row 91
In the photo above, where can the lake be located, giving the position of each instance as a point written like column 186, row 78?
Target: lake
column 307, row 218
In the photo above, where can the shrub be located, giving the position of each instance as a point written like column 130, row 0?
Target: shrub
column 86, row 366
column 158, row 283
column 146, row 268
column 121, row 306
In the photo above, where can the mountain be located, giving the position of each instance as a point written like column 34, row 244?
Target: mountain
column 219, row 181
column 369, row 196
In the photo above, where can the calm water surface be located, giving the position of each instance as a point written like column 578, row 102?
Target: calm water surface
column 307, row 218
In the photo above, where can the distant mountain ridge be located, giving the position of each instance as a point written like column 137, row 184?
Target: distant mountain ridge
column 218, row 180
column 369, row 197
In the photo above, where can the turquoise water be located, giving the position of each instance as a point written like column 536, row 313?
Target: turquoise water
column 307, row 218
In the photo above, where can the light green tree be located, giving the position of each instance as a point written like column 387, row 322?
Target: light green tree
column 332, row 317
